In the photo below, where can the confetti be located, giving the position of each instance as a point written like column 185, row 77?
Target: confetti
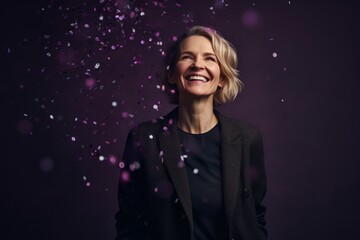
column 100, row 68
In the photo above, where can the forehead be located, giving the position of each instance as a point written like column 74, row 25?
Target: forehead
column 196, row 43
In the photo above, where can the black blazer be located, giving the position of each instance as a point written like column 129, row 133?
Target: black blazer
column 154, row 196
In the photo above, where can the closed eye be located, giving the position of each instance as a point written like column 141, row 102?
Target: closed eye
column 185, row 56
column 211, row 58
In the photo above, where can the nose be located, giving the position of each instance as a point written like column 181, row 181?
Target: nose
column 198, row 63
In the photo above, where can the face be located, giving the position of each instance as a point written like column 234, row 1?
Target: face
column 197, row 71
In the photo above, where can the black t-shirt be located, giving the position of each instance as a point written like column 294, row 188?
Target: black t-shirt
column 201, row 154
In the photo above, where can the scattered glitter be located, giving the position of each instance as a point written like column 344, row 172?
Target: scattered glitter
column 112, row 159
column 282, row 100
column 88, row 184
column 97, row 65
column 274, row 54
column 151, row 136
column 46, row 164
column 101, row 158
column 135, row 166
column 51, row 116
column 182, row 157
column 90, row 82
column 124, row 114
column 114, row 104
column 121, row 164
column 125, row 176
column 155, row 107
column 196, row 171
column 73, row 139
column 156, row 189
column 181, row 164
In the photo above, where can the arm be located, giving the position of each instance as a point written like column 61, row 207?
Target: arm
column 258, row 181
column 130, row 222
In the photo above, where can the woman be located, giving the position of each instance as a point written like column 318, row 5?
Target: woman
column 194, row 174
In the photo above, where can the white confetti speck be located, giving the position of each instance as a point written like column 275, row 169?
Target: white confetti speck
column 151, row 136
column 97, row 65
column 73, row 139
column 101, row 158
column 274, row 54
column 196, row 171
column 51, row 116
column 114, row 104
column 121, row 164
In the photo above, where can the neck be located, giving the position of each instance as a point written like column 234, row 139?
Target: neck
column 196, row 118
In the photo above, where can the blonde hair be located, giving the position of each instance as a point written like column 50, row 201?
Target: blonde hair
column 227, row 58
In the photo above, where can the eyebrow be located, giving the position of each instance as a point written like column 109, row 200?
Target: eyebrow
column 192, row 53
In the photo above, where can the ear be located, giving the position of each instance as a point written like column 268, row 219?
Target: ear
column 221, row 83
column 171, row 78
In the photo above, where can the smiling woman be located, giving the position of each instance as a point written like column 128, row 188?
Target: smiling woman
column 197, row 73
column 194, row 174
column 216, row 49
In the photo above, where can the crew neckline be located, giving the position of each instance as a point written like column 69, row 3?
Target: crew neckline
column 199, row 134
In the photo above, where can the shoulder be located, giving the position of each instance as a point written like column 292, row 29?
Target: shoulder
column 150, row 129
column 239, row 127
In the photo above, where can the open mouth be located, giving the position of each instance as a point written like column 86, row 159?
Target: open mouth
column 197, row 78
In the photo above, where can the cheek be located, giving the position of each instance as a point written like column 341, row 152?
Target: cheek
column 216, row 72
column 180, row 69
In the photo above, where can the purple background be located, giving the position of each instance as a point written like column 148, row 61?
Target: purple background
column 64, row 117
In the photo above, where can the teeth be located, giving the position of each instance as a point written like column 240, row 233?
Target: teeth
column 197, row 78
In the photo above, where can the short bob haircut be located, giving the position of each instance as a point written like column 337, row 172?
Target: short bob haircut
column 227, row 58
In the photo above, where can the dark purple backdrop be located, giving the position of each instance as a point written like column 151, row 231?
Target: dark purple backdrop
column 77, row 75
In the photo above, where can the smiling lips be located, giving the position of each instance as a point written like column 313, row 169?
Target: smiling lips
column 197, row 78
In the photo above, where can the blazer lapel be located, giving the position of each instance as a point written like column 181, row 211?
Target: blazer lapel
column 174, row 164
column 231, row 164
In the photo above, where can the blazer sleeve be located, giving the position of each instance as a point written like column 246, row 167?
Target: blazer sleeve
column 258, row 181
column 130, row 218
